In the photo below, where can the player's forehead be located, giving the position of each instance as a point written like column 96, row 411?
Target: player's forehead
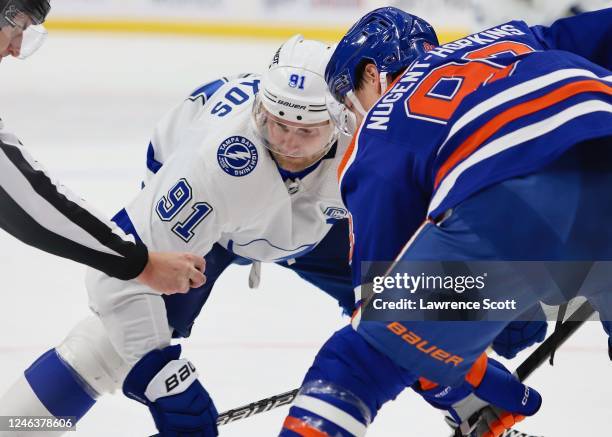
column 296, row 124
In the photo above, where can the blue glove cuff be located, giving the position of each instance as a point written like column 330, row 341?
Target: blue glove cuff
column 136, row 382
column 514, row 397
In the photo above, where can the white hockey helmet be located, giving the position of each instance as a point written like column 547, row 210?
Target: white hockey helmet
column 292, row 100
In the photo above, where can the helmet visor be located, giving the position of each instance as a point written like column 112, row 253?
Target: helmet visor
column 33, row 38
column 292, row 139
column 343, row 118
column 25, row 28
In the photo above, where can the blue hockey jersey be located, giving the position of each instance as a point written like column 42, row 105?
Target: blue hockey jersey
column 492, row 106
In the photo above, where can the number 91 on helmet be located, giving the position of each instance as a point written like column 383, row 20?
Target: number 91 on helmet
column 290, row 112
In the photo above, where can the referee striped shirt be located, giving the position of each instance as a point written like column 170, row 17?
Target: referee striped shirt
column 43, row 213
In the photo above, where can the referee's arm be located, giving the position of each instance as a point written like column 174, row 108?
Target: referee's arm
column 42, row 213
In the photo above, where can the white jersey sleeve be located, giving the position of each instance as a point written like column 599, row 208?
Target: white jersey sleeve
column 171, row 130
column 41, row 212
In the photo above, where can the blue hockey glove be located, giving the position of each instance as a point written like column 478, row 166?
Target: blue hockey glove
column 520, row 334
column 180, row 405
column 490, row 389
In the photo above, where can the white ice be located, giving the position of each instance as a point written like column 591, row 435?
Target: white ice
column 85, row 105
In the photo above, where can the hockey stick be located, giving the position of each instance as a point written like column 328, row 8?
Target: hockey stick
column 257, row 407
column 562, row 333
column 527, row 367
column 554, row 341
column 253, row 408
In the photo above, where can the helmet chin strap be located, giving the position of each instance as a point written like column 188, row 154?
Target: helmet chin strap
column 356, row 103
column 383, row 82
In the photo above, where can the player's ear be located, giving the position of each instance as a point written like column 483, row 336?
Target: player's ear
column 370, row 75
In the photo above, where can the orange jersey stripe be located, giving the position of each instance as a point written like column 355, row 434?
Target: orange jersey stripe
column 302, row 428
column 351, row 238
column 347, row 156
column 485, row 132
column 426, row 384
column 478, row 370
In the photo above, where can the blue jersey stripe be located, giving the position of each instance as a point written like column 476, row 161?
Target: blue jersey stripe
column 206, row 91
column 152, row 164
column 123, row 220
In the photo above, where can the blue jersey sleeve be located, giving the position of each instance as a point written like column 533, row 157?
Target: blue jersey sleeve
column 386, row 203
column 588, row 35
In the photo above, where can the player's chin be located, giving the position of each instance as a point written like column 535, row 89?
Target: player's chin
column 294, row 163
column 289, row 163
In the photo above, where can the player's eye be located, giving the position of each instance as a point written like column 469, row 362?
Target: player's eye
column 281, row 126
column 306, row 132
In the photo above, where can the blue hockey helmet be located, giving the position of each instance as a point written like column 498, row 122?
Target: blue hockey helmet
column 389, row 37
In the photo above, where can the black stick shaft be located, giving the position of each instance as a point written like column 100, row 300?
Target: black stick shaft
column 257, row 407
column 554, row 341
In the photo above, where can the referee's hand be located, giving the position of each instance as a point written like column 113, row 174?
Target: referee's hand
column 170, row 273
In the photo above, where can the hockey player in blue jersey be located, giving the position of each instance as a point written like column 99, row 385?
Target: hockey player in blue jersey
column 497, row 146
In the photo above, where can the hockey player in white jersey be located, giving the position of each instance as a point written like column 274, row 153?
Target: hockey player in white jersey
column 245, row 172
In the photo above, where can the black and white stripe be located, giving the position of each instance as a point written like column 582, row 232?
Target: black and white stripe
column 43, row 213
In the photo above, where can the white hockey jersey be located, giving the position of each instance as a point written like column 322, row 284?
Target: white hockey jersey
column 218, row 184
column 222, row 185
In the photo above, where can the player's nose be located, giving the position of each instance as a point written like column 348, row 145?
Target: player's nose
column 291, row 144
column 14, row 50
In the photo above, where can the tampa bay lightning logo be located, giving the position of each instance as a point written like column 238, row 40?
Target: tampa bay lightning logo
column 237, row 156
